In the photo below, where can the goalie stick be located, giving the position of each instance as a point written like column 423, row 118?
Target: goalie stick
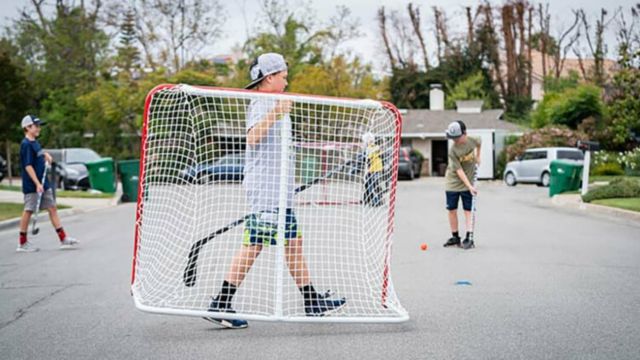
column 190, row 271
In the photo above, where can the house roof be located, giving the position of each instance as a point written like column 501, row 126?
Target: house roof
column 422, row 121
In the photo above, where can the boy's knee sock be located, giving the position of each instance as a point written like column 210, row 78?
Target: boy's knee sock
column 226, row 293
column 61, row 234
column 309, row 294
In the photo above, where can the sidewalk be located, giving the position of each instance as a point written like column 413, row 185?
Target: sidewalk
column 575, row 201
column 78, row 205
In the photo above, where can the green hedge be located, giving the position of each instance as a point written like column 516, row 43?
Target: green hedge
column 608, row 169
column 619, row 188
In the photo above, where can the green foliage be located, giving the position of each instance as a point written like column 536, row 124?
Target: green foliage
column 623, row 107
column 607, row 169
column 619, row 188
column 501, row 160
column 14, row 94
column 569, row 107
column 552, row 136
column 558, row 85
column 471, row 88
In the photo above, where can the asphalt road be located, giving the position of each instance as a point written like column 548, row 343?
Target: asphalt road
column 547, row 283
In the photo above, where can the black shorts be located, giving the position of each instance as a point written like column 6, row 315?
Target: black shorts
column 452, row 200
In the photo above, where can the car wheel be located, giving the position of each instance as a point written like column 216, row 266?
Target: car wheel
column 545, row 179
column 510, row 179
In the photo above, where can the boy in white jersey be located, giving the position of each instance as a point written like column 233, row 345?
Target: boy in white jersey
column 262, row 178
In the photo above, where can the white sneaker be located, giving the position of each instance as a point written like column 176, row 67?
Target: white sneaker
column 27, row 247
column 68, row 243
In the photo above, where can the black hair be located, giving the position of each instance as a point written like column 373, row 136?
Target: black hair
column 463, row 127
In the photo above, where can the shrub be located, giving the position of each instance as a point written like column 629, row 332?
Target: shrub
column 545, row 137
column 619, row 188
column 607, row 169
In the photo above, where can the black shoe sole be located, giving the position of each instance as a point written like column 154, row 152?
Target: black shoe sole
column 327, row 312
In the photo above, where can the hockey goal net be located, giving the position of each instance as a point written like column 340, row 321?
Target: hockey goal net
column 333, row 163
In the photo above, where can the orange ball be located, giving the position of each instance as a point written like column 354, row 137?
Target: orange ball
column 423, row 246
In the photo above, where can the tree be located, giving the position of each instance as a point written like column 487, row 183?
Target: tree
column 471, row 88
column 570, row 107
column 15, row 94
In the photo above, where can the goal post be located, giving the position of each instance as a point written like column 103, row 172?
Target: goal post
column 207, row 194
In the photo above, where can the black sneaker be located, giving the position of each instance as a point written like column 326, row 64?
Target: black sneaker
column 322, row 306
column 216, row 306
column 468, row 244
column 453, row 241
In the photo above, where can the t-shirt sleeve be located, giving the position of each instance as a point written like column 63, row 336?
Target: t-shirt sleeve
column 258, row 109
column 478, row 141
column 454, row 162
column 27, row 155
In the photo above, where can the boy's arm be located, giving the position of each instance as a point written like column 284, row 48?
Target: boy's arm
column 466, row 181
column 261, row 129
column 478, row 152
column 32, row 174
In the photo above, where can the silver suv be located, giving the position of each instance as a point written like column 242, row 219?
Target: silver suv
column 533, row 165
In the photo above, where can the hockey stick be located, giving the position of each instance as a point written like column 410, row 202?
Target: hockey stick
column 473, row 208
column 190, row 271
column 34, row 224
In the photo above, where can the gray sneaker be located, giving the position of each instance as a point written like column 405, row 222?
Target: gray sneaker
column 68, row 243
column 27, row 248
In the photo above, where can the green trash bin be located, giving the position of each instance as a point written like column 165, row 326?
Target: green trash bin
column 102, row 175
column 309, row 171
column 565, row 176
column 129, row 171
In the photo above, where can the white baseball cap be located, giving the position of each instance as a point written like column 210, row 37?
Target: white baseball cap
column 265, row 65
column 31, row 120
column 456, row 129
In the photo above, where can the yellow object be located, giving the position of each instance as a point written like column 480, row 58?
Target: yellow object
column 375, row 162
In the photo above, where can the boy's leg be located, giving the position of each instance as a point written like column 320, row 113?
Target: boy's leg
column 452, row 209
column 24, row 245
column 48, row 202
column 241, row 263
column 297, row 264
column 467, row 200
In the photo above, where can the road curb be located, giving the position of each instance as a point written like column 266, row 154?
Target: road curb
column 575, row 201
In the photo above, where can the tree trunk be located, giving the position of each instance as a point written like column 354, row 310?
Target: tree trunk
column 382, row 24
column 414, row 14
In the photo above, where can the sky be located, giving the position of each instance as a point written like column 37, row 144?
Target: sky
column 242, row 15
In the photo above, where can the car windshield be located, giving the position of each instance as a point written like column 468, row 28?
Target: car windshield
column 81, row 156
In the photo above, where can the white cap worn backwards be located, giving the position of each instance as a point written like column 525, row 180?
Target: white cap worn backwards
column 265, row 65
column 31, row 120
column 456, row 129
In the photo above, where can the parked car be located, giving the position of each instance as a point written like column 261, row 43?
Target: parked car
column 228, row 168
column 409, row 163
column 70, row 167
column 533, row 165
column 3, row 168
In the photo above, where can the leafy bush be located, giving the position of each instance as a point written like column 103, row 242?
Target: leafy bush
column 619, row 188
column 569, row 107
column 545, row 137
column 607, row 169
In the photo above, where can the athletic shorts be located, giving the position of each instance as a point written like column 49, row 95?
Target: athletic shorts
column 262, row 229
column 31, row 201
column 452, row 200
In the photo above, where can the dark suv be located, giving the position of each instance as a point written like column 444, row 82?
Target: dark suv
column 70, row 168
column 409, row 163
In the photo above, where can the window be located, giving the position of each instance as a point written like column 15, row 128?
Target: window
column 534, row 155
column 570, row 154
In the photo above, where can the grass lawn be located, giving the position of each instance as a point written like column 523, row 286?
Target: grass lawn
column 632, row 204
column 82, row 194
column 10, row 188
column 13, row 210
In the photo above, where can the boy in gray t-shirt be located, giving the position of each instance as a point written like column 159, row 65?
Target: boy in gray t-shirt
column 262, row 177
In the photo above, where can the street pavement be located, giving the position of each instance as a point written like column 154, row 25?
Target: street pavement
column 547, row 282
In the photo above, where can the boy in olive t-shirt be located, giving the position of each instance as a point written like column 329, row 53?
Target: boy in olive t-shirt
column 463, row 157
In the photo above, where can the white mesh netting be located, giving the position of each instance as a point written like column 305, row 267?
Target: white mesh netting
column 208, row 205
